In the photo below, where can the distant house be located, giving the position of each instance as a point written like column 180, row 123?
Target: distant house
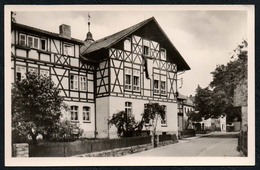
column 123, row 71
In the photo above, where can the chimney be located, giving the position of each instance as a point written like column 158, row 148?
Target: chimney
column 65, row 31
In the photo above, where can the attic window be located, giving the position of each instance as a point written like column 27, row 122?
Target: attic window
column 146, row 47
column 163, row 54
column 127, row 45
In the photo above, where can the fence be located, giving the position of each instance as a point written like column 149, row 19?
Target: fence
column 188, row 133
column 66, row 149
column 242, row 142
column 163, row 138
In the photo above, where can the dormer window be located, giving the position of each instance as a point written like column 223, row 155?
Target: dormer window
column 32, row 42
column 127, row 45
column 146, row 47
column 22, row 40
column 163, row 54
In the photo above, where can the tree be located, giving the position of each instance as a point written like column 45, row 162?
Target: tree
column 36, row 106
column 151, row 114
column 125, row 124
column 217, row 99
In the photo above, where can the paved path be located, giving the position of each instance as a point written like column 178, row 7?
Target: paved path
column 200, row 147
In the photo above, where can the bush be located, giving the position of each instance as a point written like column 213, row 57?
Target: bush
column 66, row 131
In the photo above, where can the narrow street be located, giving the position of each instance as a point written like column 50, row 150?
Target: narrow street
column 215, row 144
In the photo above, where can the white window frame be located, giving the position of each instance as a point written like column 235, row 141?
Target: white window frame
column 128, row 108
column 74, row 82
column 156, row 77
column 163, row 54
column 74, row 113
column 127, row 44
column 22, row 71
column 163, row 90
column 128, row 72
column 44, row 49
column 86, row 113
column 83, row 83
column 34, row 39
column 21, row 40
column 136, row 84
column 146, row 43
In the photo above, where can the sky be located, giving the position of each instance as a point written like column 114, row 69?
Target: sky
column 204, row 38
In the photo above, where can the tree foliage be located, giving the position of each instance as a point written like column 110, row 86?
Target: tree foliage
column 126, row 125
column 36, row 106
column 152, row 112
column 217, row 99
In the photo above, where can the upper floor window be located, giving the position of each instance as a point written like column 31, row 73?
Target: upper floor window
column 32, row 42
column 43, row 44
column 83, row 83
column 73, row 82
column 86, row 114
column 128, row 108
column 68, row 50
column 146, row 47
column 163, row 54
column 22, row 39
column 128, row 79
column 163, row 85
column 74, row 113
column 127, row 45
column 20, row 73
column 136, row 81
column 156, row 84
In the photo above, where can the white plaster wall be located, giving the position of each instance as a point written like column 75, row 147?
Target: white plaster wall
column 118, row 103
column 89, row 127
column 102, row 112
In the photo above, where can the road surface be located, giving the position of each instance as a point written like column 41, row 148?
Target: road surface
column 212, row 145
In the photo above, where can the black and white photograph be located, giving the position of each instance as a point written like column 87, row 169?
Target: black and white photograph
column 98, row 85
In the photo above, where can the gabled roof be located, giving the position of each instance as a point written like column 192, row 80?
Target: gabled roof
column 111, row 40
column 44, row 33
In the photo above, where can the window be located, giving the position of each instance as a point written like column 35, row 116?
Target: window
column 20, row 73
column 128, row 77
column 164, row 119
column 68, row 50
column 146, row 47
column 146, row 121
column 22, row 39
column 83, row 83
column 136, row 81
column 73, row 82
column 44, row 72
column 43, row 44
column 163, row 54
column 163, row 85
column 128, row 108
column 156, row 84
column 32, row 42
column 74, row 113
column 127, row 45
column 86, row 114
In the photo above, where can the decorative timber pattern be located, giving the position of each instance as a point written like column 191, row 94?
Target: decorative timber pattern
column 53, row 62
column 120, row 60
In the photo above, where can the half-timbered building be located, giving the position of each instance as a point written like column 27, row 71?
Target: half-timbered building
column 58, row 56
column 123, row 71
column 135, row 66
